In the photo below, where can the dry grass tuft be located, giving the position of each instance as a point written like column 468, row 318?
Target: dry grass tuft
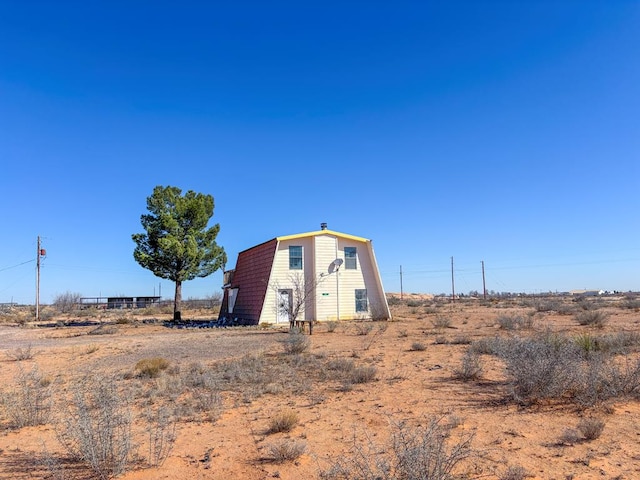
column 151, row 367
column 283, row 421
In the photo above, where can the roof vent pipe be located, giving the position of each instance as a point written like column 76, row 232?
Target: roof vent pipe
column 323, row 226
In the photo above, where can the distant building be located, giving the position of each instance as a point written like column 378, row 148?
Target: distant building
column 586, row 293
column 119, row 302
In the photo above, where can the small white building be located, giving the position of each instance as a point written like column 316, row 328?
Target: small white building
column 321, row 275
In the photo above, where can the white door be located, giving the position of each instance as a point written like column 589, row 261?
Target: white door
column 284, row 306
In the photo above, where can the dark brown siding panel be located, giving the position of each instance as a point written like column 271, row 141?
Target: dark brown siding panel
column 251, row 278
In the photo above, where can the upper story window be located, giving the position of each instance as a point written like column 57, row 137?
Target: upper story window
column 295, row 257
column 350, row 258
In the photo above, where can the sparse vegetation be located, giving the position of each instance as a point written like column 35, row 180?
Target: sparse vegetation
column 296, row 343
column 470, row 367
column 594, row 318
column 285, row 450
column 514, row 472
column 67, row 302
column 332, row 325
column 283, row 421
column 29, row 401
column 556, row 366
column 95, row 427
column 21, row 353
column 151, row 367
column 516, row 322
column 427, row 451
column 441, row 322
column 590, row 428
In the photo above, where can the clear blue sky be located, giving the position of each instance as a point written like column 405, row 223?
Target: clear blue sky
column 499, row 131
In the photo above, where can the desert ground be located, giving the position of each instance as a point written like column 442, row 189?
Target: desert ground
column 119, row 394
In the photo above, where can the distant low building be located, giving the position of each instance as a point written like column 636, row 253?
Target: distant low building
column 119, row 302
column 586, row 293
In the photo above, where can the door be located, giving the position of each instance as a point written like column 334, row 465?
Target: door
column 284, row 305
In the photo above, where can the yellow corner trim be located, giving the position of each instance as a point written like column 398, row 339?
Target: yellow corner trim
column 322, row 232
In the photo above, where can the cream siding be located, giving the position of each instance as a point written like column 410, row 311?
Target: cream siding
column 335, row 293
column 350, row 280
column 283, row 278
column 327, row 296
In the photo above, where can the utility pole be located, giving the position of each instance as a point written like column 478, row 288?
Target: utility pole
column 453, row 287
column 38, row 280
column 400, row 282
column 484, row 285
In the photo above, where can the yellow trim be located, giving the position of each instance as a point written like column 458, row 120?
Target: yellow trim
column 322, row 232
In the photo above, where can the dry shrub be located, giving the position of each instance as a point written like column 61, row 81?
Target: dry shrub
column 332, row 325
column 570, row 436
column 470, row 367
column 21, row 354
column 286, row 450
column 515, row 472
column 423, row 452
column 296, row 343
column 418, row 347
column 590, row 428
column 595, row 318
column 161, row 432
column 362, row 374
column 67, row 302
column 104, row 329
column 95, row 427
column 515, row 322
column 29, row 402
column 151, row 367
column 363, row 328
column 441, row 322
column 283, row 421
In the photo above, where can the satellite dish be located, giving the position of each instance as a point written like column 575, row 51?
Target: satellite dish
column 337, row 262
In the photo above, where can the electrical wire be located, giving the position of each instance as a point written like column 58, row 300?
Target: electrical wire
column 17, row 265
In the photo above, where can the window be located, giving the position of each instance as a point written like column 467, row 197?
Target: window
column 295, row 258
column 361, row 300
column 350, row 261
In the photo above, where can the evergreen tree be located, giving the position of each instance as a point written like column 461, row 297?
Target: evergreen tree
column 178, row 245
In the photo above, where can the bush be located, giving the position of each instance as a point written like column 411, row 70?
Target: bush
column 538, row 369
column 515, row 473
column 151, row 367
column 470, row 368
column 332, row 325
column 423, row 452
column 296, row 343
column 363, row 328
column 441, row 322
column 286, row 450
column 515, row 322
column 596, row 318
column 96, row 427
column 283, row 421
column 29, row 402
column 590, row 428
column 363, row 374
column 67, row 302
column 20, row 354
column 161, row 431
column 418, row 346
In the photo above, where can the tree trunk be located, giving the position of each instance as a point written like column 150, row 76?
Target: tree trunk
column 177, row 316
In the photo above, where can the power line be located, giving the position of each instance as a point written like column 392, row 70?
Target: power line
column 17, row 265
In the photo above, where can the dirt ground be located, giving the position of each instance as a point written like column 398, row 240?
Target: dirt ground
column 414, row 358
